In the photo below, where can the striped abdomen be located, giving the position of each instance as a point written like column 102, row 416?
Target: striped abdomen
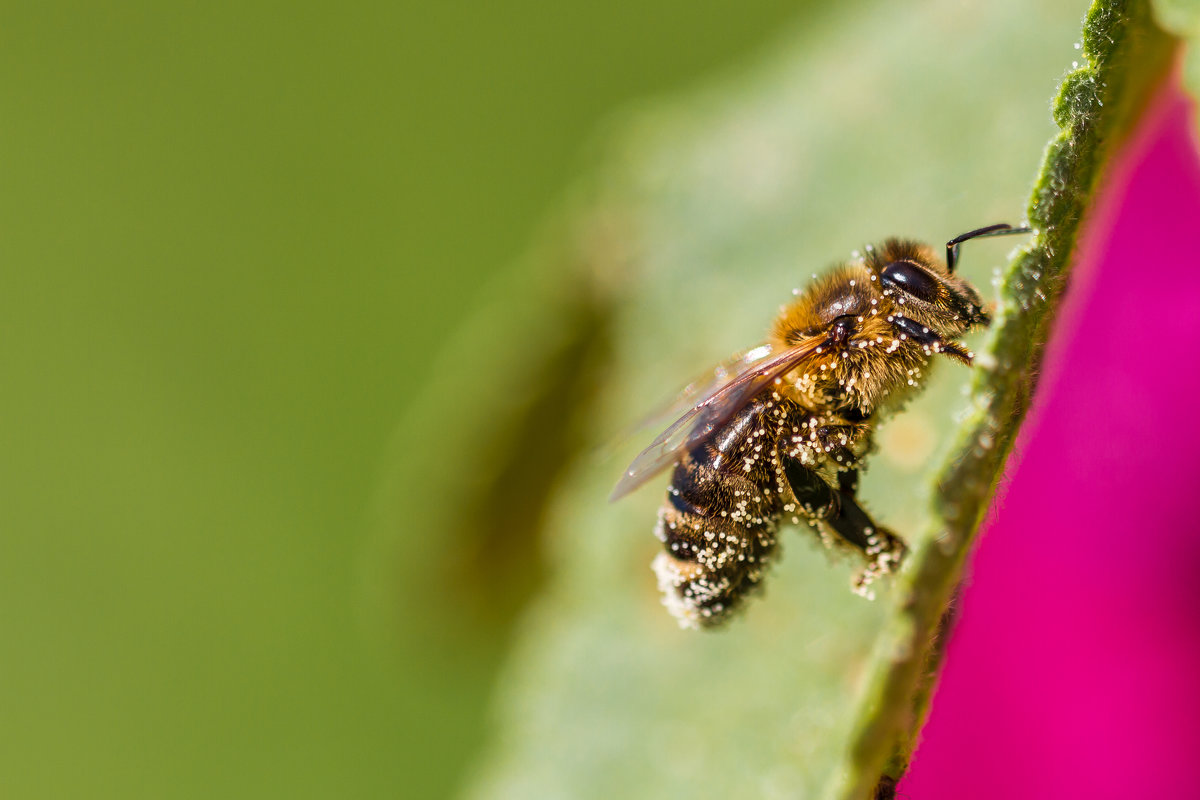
column 722, row 510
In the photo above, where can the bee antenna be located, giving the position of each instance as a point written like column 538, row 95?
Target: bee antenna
column 999, row 229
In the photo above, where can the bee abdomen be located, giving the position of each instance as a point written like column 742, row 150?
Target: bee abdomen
column 718, row 531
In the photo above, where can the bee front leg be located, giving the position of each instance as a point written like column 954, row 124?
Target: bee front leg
column 839, row 509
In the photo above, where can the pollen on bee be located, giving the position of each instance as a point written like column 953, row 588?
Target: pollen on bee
column 705, row 574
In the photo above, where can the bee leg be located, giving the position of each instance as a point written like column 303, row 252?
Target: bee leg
column 923, row 336
column 836, row 507
column 814, row 496
column 884, row 550
column 836, row 440
column 840, row 511
column 856, row 526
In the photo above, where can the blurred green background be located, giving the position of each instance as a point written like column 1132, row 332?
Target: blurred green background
column 234, row 238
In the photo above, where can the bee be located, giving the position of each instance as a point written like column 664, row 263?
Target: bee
column 781, row 430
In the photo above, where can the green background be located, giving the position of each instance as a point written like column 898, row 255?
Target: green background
column 233, row 238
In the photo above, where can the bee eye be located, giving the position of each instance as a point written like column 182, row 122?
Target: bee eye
column 910, row 279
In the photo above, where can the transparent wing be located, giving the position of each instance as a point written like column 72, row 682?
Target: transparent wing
column 704, row 384
column 710, row 410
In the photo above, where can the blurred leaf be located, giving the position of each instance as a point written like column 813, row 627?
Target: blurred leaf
column 1182, row 18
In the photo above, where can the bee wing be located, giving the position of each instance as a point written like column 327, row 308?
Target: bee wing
column 709, row 411
column 704, row 385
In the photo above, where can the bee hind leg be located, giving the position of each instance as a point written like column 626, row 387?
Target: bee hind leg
column 884, row 550
column 840, row 511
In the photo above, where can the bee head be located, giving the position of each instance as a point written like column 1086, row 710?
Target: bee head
column 874, row 324
column 878, row 321
column 921, row 289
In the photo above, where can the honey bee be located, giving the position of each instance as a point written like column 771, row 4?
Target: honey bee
column 781, row 430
